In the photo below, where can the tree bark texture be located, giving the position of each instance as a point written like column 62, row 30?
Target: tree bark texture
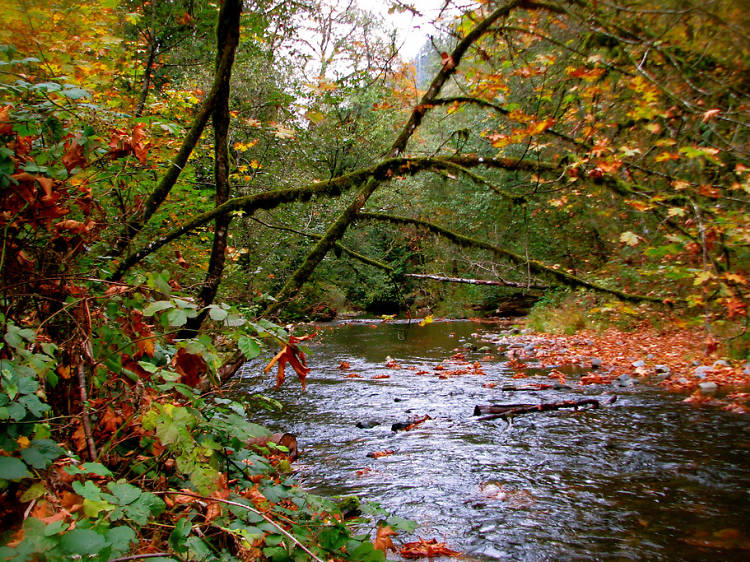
column 227, row 37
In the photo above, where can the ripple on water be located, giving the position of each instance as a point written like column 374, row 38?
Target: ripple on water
column 638, row 480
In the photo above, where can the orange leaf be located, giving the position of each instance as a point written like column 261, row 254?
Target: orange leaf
column 294, row 356
column 736, row 307
column 110, row 421
column 73, row 157
column 6, row 127
column 426, row 549
column 383, row 540
column 379, row 454
column 182, row 262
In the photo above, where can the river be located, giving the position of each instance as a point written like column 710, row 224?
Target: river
column 646, row 478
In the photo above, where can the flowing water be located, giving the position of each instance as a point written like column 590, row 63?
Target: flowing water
column 646, row 478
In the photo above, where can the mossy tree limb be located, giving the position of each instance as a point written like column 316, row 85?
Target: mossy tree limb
column 330, row 188
column 535, row 266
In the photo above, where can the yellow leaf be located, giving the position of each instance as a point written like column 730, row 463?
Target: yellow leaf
column 676, row 212
column 427, row 320
column 679, row 184
column 735, row 278
column 702, row 277
column 630, row 238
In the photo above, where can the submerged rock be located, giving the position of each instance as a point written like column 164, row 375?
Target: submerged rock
column 367, row 424
column 624, row 381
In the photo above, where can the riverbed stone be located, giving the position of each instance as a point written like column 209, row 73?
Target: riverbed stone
column 638, row 364
column 485, row 349
column 596, row 363
column 662, row 369
column 721, row 363
column 367, row 424
column 624, row 381
column 708, row 387
column 702, row 371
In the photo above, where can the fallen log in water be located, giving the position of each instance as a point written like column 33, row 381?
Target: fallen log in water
column 481, row 409
column 504, row 410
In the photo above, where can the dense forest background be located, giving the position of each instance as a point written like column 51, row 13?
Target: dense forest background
column 179, row 176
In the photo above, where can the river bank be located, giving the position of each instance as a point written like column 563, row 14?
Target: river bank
column 682, row 361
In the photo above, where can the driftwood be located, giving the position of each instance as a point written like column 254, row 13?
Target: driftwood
column 409, row 425
column 505, row 410
column 287, row 440
column 481, row 410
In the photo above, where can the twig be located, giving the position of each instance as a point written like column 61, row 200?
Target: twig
column 85, row 412
column 139, row 556
column 242, row 505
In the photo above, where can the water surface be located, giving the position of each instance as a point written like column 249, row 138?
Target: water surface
column 647, row 478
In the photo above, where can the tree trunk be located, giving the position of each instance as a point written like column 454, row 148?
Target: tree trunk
column 228, row 17
column 227, row 36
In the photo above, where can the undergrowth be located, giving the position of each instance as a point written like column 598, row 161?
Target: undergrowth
column 128, row 448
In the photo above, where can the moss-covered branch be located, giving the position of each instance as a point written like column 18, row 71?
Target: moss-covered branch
column 534, row 265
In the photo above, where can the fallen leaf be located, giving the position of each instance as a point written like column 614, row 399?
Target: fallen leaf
column 379, row 454
column 426, row 549
column 292, row 355
column 191, row 366
column 383, row 540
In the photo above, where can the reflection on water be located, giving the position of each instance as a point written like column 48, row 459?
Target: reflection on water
column 649, row 478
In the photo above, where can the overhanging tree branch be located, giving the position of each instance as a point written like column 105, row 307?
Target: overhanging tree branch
column 339, row 226
column 536, row 266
